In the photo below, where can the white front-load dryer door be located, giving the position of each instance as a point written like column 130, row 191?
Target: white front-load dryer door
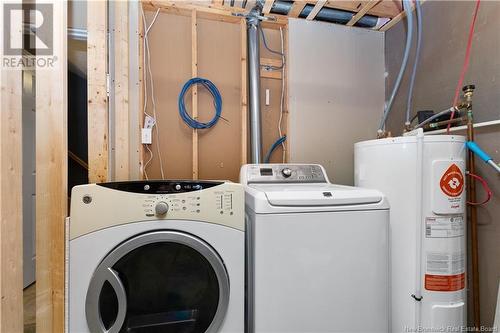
column 157, row 276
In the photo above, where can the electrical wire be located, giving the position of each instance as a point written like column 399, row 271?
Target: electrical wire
column 465, row 65
column 409, row 36
column 193, row 123
column 282, row 100
column 264, row 40
column 273, row 148
column 418, row 11
column 487, row 189
column 147, row 162
column 147, row 64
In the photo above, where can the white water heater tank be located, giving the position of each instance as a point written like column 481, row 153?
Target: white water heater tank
column 423, row 178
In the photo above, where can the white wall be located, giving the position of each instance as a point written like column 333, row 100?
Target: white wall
column 336, row 92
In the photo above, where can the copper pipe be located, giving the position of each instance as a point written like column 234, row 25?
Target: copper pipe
column 471, row 192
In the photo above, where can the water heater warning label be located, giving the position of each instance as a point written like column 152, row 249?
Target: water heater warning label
column 445, row 282
column 452, row 181
column 444, row 227
column 445, row 271
column 448, row 186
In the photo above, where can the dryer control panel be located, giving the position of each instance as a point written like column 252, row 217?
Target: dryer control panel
column 98, row 206
column 284, row 173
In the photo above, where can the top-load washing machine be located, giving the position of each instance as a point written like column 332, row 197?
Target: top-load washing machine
column 317, row 252
column 156, row 256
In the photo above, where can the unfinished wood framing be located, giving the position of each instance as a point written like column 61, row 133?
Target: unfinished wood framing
column 223, row 11
column 142, row 151
column 297, row 8
column 11, row 234
column 221, row 57
column 268, row 4
column 385, row 8
column 244, row 94
column 270, row 73
column 121, row 92
column 398, row 18
column 286, row 106
column 272, row 81
column 211, row 12
column 194, row 89
column 51, row 181
column 97, row 55
column 362, row 12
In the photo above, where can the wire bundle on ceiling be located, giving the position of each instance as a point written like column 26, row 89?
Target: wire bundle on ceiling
column 193, row 123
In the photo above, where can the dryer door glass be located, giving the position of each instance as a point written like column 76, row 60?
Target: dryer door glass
column 163, row 281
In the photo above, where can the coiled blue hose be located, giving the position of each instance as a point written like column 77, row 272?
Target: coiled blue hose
column 217, row 103
column 273, row 148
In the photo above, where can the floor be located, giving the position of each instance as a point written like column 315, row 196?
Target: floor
column 29, row 309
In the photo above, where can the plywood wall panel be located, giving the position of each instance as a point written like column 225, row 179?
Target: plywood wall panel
column 170, row 45
column 219, row 49
column 219, row 60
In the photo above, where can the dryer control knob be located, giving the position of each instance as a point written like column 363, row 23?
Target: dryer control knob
column 286, row 172
column 161, row 208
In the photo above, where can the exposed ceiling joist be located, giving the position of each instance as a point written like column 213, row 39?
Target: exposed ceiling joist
column 297, row 8
column 397, row 18
column 225, row 10
column 316, row 9
column 267, row 7
column 362, row 12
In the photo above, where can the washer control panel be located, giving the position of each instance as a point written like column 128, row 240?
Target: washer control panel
column 285, row 173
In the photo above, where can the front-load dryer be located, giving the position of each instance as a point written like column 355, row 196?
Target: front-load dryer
column 318, row 252
column 156, row 256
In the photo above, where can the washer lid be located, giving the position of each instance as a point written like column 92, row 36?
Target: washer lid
column 317, row 195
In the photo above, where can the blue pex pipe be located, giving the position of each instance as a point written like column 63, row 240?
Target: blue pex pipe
column 478, row 151
column 273, row 148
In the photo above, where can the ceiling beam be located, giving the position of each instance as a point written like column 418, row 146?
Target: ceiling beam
column 267, row 7
column 297, row 8
column 362, row 12
column 316, row 9
column 398, row 17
